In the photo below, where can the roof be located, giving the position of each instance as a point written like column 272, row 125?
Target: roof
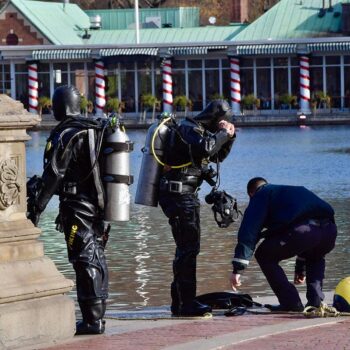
column 66, row 24
column 287, row 28
column 181, row 17
column 290, row 19
column 59, row 23
column 165, row 35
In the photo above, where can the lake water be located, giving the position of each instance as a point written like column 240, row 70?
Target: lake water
column 140, row 251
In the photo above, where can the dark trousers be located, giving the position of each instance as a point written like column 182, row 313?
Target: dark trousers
column 307, row 241
column 183, row 213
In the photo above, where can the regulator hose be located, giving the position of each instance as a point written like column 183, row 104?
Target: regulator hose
column 154, row 153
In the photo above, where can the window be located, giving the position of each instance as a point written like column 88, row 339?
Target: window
column 12, row 39
column 127, row 77
column 77, row 77
column 195, row 89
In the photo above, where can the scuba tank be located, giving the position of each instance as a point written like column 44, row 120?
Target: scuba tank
column 117, row 178
column 152, row 162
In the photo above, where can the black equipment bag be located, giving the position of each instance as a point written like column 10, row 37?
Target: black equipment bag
column 225, row 300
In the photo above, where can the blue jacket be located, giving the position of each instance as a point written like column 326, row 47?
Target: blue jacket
column 275, row 208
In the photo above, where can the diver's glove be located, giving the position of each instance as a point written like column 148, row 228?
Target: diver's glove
column 34, row 186
column 33, row 214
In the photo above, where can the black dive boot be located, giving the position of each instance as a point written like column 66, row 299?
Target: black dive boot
column 189, row 306
column 194, row 308
column 93, row 312
column 174, row 308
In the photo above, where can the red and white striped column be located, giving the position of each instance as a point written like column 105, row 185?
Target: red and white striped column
column 100, row 87
column 167, row 87
column 33, row 86
column 304, row 62
column 235, row 85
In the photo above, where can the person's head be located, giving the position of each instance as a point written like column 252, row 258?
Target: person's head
column 66, row 102
column 213, row 113
column 254, row 184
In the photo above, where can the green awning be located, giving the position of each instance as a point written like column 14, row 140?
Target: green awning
column 267, row 49
column 329, row 47
column 193, row 50
column 72, row 54
column 147, row 51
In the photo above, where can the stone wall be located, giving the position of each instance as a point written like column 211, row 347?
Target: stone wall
column 33, row 306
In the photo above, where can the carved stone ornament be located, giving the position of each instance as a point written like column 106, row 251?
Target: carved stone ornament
column 9, row 187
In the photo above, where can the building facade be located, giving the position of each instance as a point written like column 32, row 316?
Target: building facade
column 281, row 67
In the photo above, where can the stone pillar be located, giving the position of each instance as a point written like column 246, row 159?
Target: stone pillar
column 235, row 85
column 33, row 306
column 100, row 87
column 167, row 86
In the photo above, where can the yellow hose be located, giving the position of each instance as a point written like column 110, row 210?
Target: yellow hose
column 323, row 311
column 154, row 153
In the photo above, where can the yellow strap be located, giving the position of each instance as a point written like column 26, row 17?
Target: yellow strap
column 154, row 153
column 323, row 311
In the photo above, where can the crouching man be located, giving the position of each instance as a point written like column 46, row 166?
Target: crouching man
column 297, row 223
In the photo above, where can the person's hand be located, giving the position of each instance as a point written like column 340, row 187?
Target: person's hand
column 33, row 214
column 299, row 278
column 229, row 127
column 34, row 217
column 235, row 281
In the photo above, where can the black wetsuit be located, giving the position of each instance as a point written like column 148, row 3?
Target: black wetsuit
column 71, row 171
column 178, row 198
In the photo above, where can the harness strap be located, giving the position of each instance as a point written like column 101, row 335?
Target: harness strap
column 121, row 179
column 111, row 147
column 96, row 169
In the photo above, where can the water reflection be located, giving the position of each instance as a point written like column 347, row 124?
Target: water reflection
column 140, row 252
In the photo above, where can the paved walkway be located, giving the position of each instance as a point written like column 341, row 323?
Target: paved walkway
column 131, row 331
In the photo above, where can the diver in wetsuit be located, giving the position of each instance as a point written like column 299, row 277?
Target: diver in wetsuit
column 197, row 141
column 71, row 170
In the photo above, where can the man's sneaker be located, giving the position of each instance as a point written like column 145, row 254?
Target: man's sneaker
column 286, row 308
column 194, row 309
column 97, row 327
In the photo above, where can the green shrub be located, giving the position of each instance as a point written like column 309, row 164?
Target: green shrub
column 44, row 104
column 149, row 101
column 323, row 98
column 181, row 102
column 250, row 101
column 86, row 106
column 216, row 96
column 114, row 105
column 287, row 99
